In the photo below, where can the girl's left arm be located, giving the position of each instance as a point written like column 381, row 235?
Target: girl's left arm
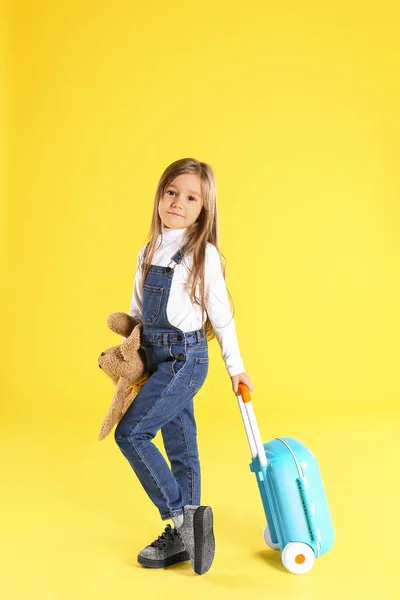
column 241, row 378
column 221, row 318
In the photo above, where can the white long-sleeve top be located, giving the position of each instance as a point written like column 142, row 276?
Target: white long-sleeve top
column 181, row 312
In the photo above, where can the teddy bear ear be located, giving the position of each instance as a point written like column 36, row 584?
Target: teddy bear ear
column 136, row 334
column 131, row 345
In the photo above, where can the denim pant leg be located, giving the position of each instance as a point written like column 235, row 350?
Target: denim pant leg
column 160, row 400
column 180, row 442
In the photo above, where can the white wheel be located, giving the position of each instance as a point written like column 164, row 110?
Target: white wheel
column 268, row 540
column 298, row 558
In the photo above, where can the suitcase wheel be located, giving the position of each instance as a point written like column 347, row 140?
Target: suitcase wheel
column 268, row 540
column 298, row 558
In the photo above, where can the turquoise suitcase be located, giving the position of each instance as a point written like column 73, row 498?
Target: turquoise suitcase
column 299, row 523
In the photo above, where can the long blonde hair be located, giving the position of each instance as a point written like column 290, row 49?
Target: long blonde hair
column 205, row 229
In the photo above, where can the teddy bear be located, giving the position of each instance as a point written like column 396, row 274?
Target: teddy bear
column 125, row 364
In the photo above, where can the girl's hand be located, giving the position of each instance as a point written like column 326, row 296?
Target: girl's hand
column 241, row 378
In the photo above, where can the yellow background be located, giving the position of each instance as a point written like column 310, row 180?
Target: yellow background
column 296, row 107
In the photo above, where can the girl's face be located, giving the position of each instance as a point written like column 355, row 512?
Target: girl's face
column 181, row 203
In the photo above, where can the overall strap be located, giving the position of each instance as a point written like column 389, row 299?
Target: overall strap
column 176, row 258
column 179, row 255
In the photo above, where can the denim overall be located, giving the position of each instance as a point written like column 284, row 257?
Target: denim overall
column 177, row 366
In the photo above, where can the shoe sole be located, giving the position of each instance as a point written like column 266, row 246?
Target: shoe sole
column 166, row 562
column 204, row 540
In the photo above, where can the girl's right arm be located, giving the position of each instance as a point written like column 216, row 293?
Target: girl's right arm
column 136, row 305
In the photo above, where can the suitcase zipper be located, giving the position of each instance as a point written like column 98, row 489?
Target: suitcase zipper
column 309, row 509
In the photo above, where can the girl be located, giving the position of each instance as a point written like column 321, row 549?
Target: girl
column 180, row 297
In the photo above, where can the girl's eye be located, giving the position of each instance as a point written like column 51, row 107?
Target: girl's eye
column 173, row 192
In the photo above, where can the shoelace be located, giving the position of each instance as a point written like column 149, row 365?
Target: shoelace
column 165, row 538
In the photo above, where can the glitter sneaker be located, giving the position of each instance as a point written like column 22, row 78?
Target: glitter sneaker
column 166, row 550
column 198, row 536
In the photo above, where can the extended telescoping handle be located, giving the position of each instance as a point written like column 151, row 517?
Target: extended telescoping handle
column 250, row 424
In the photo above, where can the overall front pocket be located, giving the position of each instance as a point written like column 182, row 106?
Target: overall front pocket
column 152, row 296
column 199, row 373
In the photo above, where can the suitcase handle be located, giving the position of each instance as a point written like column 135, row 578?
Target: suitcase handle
column 250, row 424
